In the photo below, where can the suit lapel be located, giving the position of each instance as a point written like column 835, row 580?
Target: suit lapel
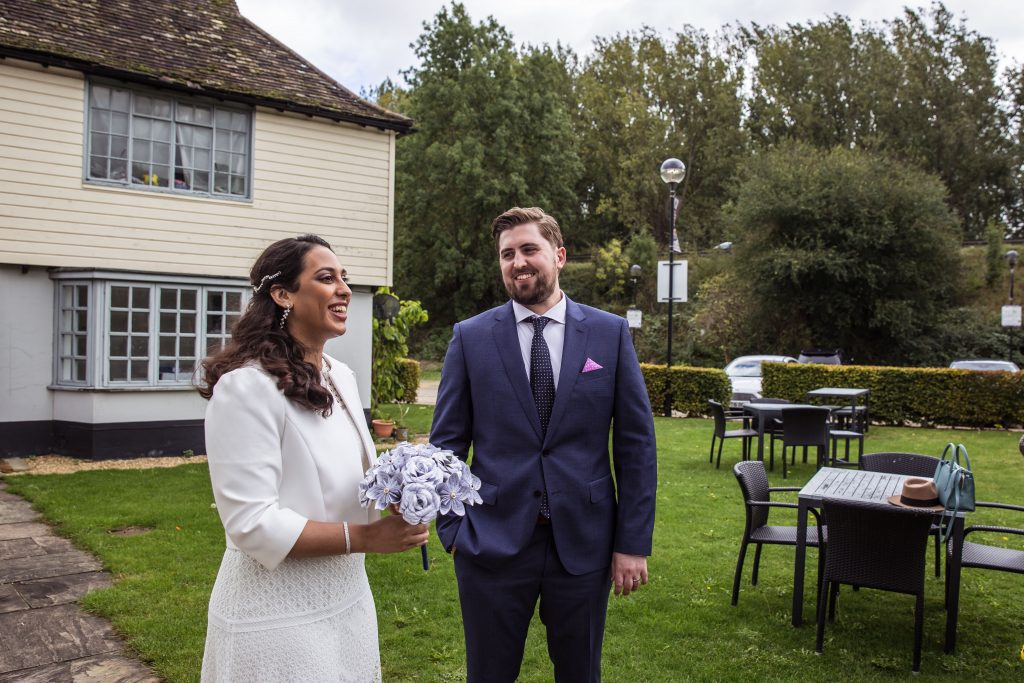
column 574, row 351
column 506, row 338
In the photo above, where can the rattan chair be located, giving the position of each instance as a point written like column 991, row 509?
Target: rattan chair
column 835, row 433
column 721, row 434
column 753, row 481
column 982, row 556
column 911, row 465
column 872, row 545
column 806, row 427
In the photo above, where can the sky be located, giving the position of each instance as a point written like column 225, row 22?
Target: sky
column 360, row 43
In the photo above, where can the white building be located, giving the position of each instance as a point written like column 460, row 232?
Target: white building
column 148, row 153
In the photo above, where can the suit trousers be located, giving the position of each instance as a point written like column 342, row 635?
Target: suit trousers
column 497, row 606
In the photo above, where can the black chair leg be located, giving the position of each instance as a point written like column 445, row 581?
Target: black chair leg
column 711, row 456
column 918, row 631
column 783, row 460
column 718, row 463
column 819, row 642
column 805, row 455
column 938, row 566
column 739, row 573
column 757, row 565
column 833, row 597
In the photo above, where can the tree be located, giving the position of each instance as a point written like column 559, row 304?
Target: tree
column 846, row 248
column 492, row 132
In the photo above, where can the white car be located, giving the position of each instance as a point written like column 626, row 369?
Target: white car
column 985, row 365
column 745, row 374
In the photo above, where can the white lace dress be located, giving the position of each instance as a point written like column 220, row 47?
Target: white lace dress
column 273, row 466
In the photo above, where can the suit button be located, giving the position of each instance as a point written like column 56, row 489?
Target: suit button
column 546, row 452
column 536, row 494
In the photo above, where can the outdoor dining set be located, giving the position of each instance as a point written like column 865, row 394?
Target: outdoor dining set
column 873, row 516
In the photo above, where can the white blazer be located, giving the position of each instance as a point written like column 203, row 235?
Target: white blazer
column 274, row 464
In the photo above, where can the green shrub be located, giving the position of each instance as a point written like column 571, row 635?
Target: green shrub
column 390, row 349
column 410, row 381
column 936, row 396
column 691, row 387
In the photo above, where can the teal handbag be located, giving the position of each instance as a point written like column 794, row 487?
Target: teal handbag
column 955, row 484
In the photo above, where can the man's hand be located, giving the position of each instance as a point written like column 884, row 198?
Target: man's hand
column 629, row 572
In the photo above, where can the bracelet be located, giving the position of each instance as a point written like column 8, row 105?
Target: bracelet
column 348, row 540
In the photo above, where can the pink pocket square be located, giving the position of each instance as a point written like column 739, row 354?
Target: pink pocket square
column 590, row 366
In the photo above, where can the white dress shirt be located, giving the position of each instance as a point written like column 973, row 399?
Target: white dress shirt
column 554, row 333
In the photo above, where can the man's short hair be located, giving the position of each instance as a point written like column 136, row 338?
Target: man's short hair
column 518, row 216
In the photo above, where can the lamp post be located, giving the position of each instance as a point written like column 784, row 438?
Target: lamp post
column 672, row 173
column 634, row 275
column 1011, row 260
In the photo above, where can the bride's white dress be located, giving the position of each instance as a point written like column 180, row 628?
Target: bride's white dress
column 273, row 466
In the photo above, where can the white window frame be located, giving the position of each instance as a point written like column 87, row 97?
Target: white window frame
column 186, row 101
column 100, row 284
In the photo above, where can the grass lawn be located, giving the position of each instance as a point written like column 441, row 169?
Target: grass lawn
column 680, row 627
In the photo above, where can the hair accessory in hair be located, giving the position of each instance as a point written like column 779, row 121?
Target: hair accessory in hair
column 257, row 288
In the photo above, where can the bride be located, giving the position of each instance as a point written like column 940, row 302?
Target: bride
column 287, row 446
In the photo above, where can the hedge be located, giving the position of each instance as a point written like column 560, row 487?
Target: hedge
column 410, row 372
column 691, row 387
column 929, row 396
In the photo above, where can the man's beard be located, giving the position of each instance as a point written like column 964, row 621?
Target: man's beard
column 540, row 291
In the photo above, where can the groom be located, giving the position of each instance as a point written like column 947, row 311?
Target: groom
column 534, row 387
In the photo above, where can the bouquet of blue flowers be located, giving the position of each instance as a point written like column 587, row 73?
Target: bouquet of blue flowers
column 423, row 481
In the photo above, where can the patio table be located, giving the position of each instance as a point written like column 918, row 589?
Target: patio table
column 834, row 482
column 853, row 396
column 765, row 412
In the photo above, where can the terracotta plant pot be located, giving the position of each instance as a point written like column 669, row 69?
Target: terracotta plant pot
column 383, row 428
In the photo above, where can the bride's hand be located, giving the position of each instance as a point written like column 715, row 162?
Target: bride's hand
column 392, row 534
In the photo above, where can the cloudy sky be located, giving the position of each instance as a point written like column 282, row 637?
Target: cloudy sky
column 361, row 42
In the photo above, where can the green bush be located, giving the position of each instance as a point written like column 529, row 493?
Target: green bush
column 410, row 373
column 390, row 349
column 935, row 396
column 691, row 387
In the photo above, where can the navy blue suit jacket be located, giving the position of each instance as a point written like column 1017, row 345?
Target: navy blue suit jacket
column 484, row 403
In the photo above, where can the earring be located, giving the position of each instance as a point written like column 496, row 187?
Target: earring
column 284, row 316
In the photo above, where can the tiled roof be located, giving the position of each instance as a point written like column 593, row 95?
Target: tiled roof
column 204, row 46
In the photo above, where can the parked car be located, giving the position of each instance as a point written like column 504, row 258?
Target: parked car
column 822, row 356
column 985, row 365
column 745, row 375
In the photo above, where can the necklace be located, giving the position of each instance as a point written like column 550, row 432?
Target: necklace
column 326, row 372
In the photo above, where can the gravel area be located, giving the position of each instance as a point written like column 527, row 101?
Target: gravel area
column 60, row 464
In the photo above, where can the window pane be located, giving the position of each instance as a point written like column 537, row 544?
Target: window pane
column 220, row 182
column 188, row 299
column 118, row 169
column 239, row 121
column 140, row 322
column 203, row 138
column 222, row 118
column 161, row 153
column 204, row 115
column 81, row 295
column 140, row 346
column 97, row 167
column 214, row 324
column 81, row 321
column 162, row 108
column 100, row 144
column 99, row 96
column 119, row 297
column 222, row 140
column 120, row 100
column 140, row 369
column 234, row 301
column 184, row 114
column 81, row 345
column 100, row 121
column 238, row 164
column 201, row 181
column 238, row 142
column 168, row 299
column 119, row 346
column 232, row 319
column 215, row 301
column 79, row 370
column 162, row 131
column 143, row 104
column 119, row 146
column 188, row 323
column 168, row 322
column 140, row 297
column 187, row 346
column 167, row 345
column 118, row 370
column 66, row 341
column 237, row 185
column 213, row 344
column 142, row 128
column 119, row 123
column 159, row 176
column 118, row 321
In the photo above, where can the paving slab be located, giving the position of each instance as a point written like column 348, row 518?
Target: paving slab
column 10, row 599
column 61, row 589
column 23, row 530
column 47, row 635
column 43, row 566
column 98, row 669
column 19, row 511
column 20, row 547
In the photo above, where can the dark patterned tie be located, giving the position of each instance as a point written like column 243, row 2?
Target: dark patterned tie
column 542, row 384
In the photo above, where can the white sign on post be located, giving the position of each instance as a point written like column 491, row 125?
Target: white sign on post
column 678, row 281
column 635, row 318
column 1011, row 316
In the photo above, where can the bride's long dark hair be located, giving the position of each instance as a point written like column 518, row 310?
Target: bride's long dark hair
column 258, row 337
